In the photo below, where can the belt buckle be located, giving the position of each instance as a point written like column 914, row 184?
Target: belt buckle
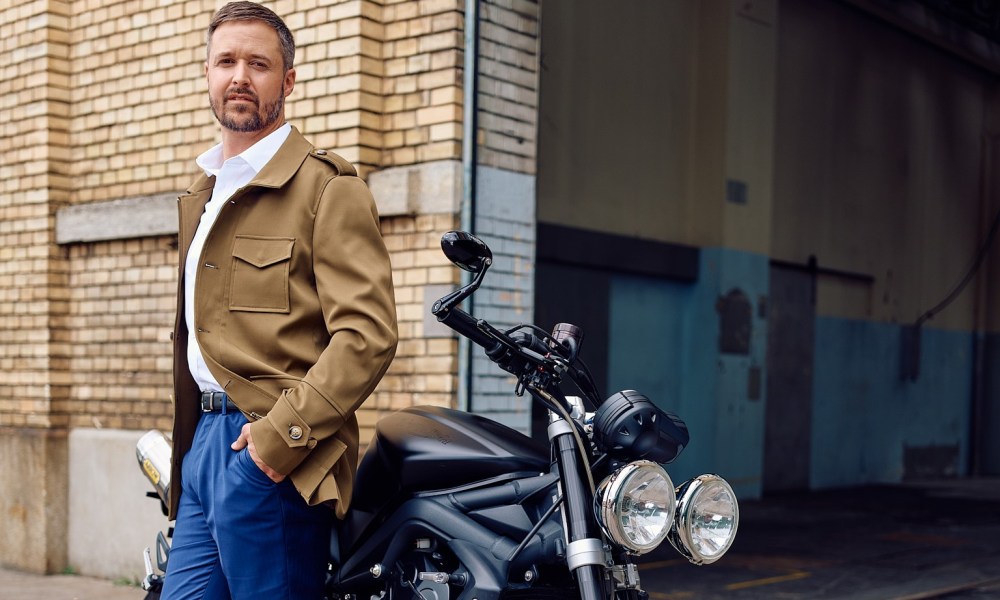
column 208, row 401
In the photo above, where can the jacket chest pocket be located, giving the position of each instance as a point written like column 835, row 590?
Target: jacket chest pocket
column 260, row 274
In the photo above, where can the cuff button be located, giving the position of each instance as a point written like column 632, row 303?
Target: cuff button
column 295, row 432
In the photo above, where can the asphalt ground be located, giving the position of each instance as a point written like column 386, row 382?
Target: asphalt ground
column 937, row 539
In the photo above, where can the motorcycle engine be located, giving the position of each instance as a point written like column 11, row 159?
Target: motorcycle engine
column 629, row 426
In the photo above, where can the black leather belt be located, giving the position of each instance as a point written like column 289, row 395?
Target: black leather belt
column 214, row 402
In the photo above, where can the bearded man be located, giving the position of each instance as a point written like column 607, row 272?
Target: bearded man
column 285, row 324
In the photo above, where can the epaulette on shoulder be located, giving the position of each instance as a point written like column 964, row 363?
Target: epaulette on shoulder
column 338, row 162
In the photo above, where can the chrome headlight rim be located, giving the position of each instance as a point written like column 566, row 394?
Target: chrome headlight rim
column 680, row 535
column 608, row 506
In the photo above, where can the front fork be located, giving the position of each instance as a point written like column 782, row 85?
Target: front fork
column 585, row 553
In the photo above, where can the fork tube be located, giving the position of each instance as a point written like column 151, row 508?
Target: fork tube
column 585, row 550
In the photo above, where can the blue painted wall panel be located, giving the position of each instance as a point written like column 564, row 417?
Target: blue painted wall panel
column 739, row 433
column 654, row 348
column 664, row 342
column 864, row 415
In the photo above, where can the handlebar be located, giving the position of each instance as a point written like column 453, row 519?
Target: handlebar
column 537, row 358
column 517, row 354
column 544, row 359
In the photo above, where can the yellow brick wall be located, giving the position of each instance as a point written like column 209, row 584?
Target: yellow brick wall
column 122, row 309
column 378, row 82
column 423, row 371
column 508, row 84
column 34, row 119
column 103, row 100
column 422, row 81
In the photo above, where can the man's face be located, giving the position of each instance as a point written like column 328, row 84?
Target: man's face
column 247, row 82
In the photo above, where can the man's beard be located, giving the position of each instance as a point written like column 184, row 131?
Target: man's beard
column 272, row 112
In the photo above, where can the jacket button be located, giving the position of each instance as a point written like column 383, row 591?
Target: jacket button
column 321, row 152
column 295, row 432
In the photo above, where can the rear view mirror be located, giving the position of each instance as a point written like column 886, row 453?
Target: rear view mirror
column 466, row 251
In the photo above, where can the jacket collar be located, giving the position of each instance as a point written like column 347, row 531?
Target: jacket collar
column 285, row 163
column 275, row 173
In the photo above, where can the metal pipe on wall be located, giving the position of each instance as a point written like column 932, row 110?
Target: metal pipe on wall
column 467, row 212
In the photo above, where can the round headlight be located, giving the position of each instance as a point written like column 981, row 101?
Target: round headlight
column 706, row 519
column 635, row 506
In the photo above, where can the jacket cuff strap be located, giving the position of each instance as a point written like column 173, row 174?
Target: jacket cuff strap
column 282, row 438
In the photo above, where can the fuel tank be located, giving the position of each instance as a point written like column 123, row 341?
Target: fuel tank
column 429, row 448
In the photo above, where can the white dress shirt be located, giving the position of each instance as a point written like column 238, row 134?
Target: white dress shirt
column 230, row 176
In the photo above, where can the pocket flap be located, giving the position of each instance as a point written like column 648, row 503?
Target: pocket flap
column 262, row 251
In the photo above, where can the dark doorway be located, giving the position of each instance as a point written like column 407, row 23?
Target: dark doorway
column 574, row 272
column 788, row 417
column 577, row 295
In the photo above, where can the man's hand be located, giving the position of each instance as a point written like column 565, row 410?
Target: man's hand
column 246, row 441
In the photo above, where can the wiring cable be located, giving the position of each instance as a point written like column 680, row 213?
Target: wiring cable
column 980, row 256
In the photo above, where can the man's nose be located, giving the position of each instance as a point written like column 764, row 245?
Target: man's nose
column 241, row 74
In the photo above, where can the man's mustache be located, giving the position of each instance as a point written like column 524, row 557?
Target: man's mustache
column 245, row 92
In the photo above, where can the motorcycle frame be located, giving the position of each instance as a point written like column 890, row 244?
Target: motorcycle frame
column 456, row 517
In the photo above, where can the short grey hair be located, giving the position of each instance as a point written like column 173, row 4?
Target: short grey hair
column 251, row 11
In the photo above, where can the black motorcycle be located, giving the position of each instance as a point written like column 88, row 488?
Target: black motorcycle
column 449, row 504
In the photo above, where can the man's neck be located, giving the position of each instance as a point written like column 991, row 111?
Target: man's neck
column 235, row 143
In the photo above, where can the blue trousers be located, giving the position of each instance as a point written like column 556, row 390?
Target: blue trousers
column 239, row 535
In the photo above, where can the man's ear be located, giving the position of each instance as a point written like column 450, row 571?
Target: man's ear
column 289, row 82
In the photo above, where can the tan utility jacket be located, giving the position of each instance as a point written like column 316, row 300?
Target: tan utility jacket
column 295, row 316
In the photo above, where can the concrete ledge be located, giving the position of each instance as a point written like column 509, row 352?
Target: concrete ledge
column 424, row 189
column 428, row 188
column 143, row 216
column 110, row 518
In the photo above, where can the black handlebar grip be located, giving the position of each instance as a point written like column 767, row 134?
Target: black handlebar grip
column 467, row 326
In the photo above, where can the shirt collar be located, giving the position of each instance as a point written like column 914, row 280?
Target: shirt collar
column 256, row 156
